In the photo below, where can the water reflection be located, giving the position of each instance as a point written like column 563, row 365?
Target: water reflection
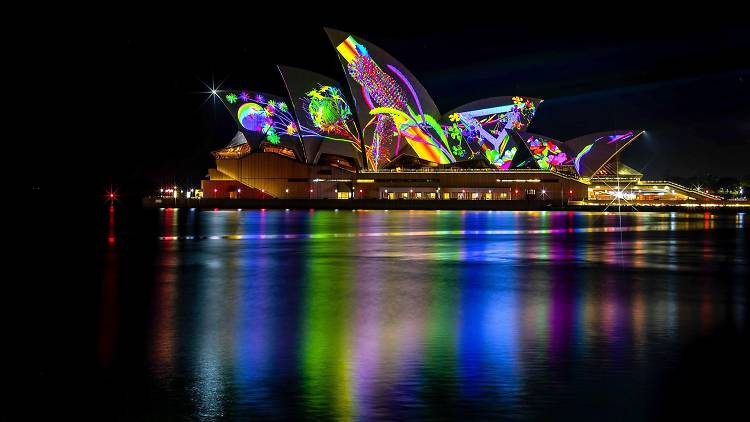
column 107, row 333
column 422, row 315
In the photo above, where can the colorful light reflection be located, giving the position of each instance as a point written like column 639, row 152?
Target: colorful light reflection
column 366, row 308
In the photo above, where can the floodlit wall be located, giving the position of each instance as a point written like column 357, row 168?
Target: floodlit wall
column 281, row 177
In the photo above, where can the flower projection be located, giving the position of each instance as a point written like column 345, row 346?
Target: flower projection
column 325, row 119
column 501, row 161
column 329, row 112
column 482, row 126
column 393, row 116
column 264, row 118
column 547, row 153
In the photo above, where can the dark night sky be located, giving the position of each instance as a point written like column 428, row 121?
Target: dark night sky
column 143, row 121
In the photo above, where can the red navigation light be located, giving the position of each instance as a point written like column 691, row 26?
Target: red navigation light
column 310, row 190
column 111, row 195
column 570, row 191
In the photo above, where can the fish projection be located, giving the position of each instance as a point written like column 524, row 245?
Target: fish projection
column 326, row 122
column 394, row 111
column 264, row 119
column 485, row 127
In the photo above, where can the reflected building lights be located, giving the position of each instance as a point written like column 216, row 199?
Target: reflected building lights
column 108, row 321
column 480, row 306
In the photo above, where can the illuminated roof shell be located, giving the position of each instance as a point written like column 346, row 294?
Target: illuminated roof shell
column 594, row 150
column 265, row 120
column 395, row 113
column 326, row 121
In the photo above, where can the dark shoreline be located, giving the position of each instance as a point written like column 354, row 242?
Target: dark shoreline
column 378, row 204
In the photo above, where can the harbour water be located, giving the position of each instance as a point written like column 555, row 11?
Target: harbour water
column 418, row 315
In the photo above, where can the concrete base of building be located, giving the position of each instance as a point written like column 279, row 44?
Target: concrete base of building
column 380, row 204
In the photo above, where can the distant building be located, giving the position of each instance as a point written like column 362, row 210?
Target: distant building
column 395, row 144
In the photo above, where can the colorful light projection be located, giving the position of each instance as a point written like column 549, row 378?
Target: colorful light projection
column 547, row 152
column 395, row 112
column 328, row 111
column 592, row 151
column 264, row 119
column 484, row 125
column 326, row 122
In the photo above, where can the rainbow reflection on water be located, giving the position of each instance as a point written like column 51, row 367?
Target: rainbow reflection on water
column 414, row 315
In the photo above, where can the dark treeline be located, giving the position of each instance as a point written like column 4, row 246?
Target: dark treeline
column 727, row 187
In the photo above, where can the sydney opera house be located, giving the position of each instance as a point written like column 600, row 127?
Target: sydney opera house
column 384, row 137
